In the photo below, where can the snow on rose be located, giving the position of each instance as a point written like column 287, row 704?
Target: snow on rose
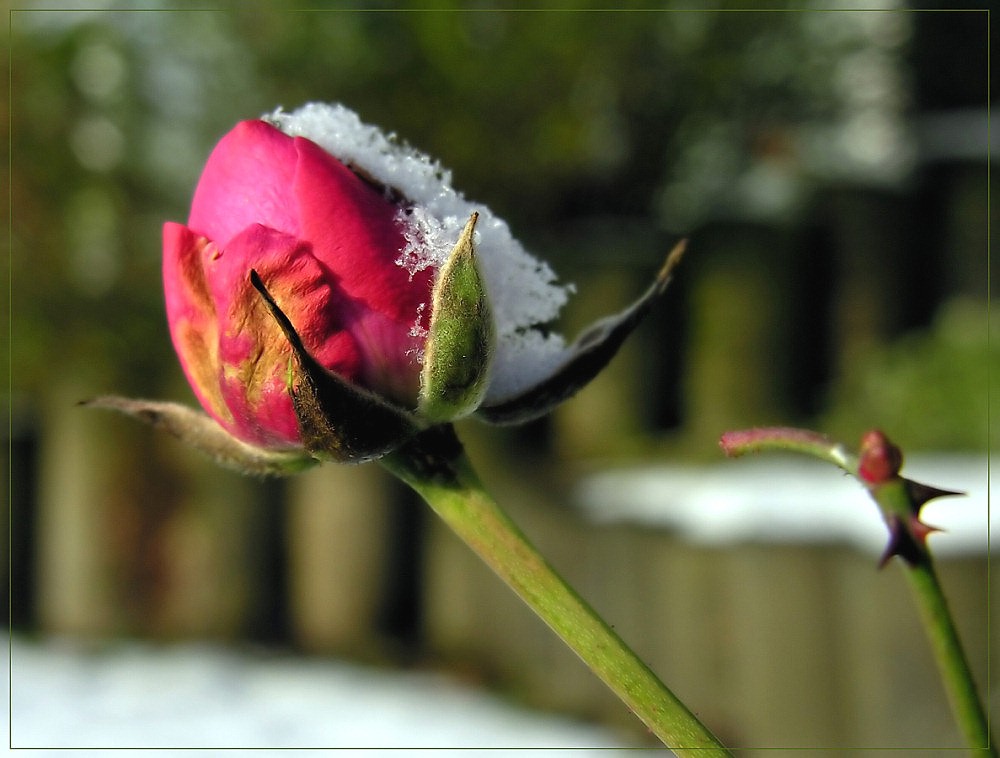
column 331, row 294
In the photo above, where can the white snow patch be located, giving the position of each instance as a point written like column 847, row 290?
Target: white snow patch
column 799, row 500
column 523, row 290
column 135, row 697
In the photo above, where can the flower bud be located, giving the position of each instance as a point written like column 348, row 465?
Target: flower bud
column 324, row 241
column 879, row 461
column 327, row 300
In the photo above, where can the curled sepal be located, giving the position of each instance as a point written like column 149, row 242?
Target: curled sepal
column 203, row 433
column 588, row 355
column 338, row 420
column 461, row 340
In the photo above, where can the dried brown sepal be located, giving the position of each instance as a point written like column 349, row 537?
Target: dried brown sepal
column 338, row 420
column 203, row 433
column 589, row 354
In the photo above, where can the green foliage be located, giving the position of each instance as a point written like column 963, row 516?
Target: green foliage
column 565, row 121
column 930, row 389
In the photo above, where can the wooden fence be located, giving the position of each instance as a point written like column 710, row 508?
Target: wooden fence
column 120, row 531
column 777, row 645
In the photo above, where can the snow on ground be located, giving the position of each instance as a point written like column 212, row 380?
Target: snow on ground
column 793, row 499
column 183, row 697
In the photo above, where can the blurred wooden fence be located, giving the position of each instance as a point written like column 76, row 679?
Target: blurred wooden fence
column 119, row 531
column 777, row 645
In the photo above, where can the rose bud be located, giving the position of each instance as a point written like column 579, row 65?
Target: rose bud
column 879, row 460
column 331, row 295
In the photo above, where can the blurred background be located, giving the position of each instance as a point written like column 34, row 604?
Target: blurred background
column 831, row 170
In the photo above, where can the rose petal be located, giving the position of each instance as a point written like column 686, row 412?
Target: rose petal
column 247, row 180
column 325, row 242
column 253, row 352
column 354, row 233
column 191, row 315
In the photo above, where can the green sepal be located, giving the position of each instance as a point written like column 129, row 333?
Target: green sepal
column 461, row 340
column 203, row 433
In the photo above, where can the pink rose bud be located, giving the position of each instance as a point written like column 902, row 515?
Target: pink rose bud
column 324, row 242
column 332, row 295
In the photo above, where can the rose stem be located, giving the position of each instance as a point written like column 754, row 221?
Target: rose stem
column 894, row 499
column 436, row 467
column 941, row 630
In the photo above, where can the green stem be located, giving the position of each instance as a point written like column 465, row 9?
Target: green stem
column 435, row 466
column 788, row 440
column 895, row 498
column 899, row 501
column 951, row 660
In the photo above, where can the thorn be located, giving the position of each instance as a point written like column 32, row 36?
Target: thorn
column 922, row 493
column 892, row 547
column 901, row 543
column 908, row 541
column 920, row 531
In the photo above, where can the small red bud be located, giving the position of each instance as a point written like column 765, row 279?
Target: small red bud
column 879, row 461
